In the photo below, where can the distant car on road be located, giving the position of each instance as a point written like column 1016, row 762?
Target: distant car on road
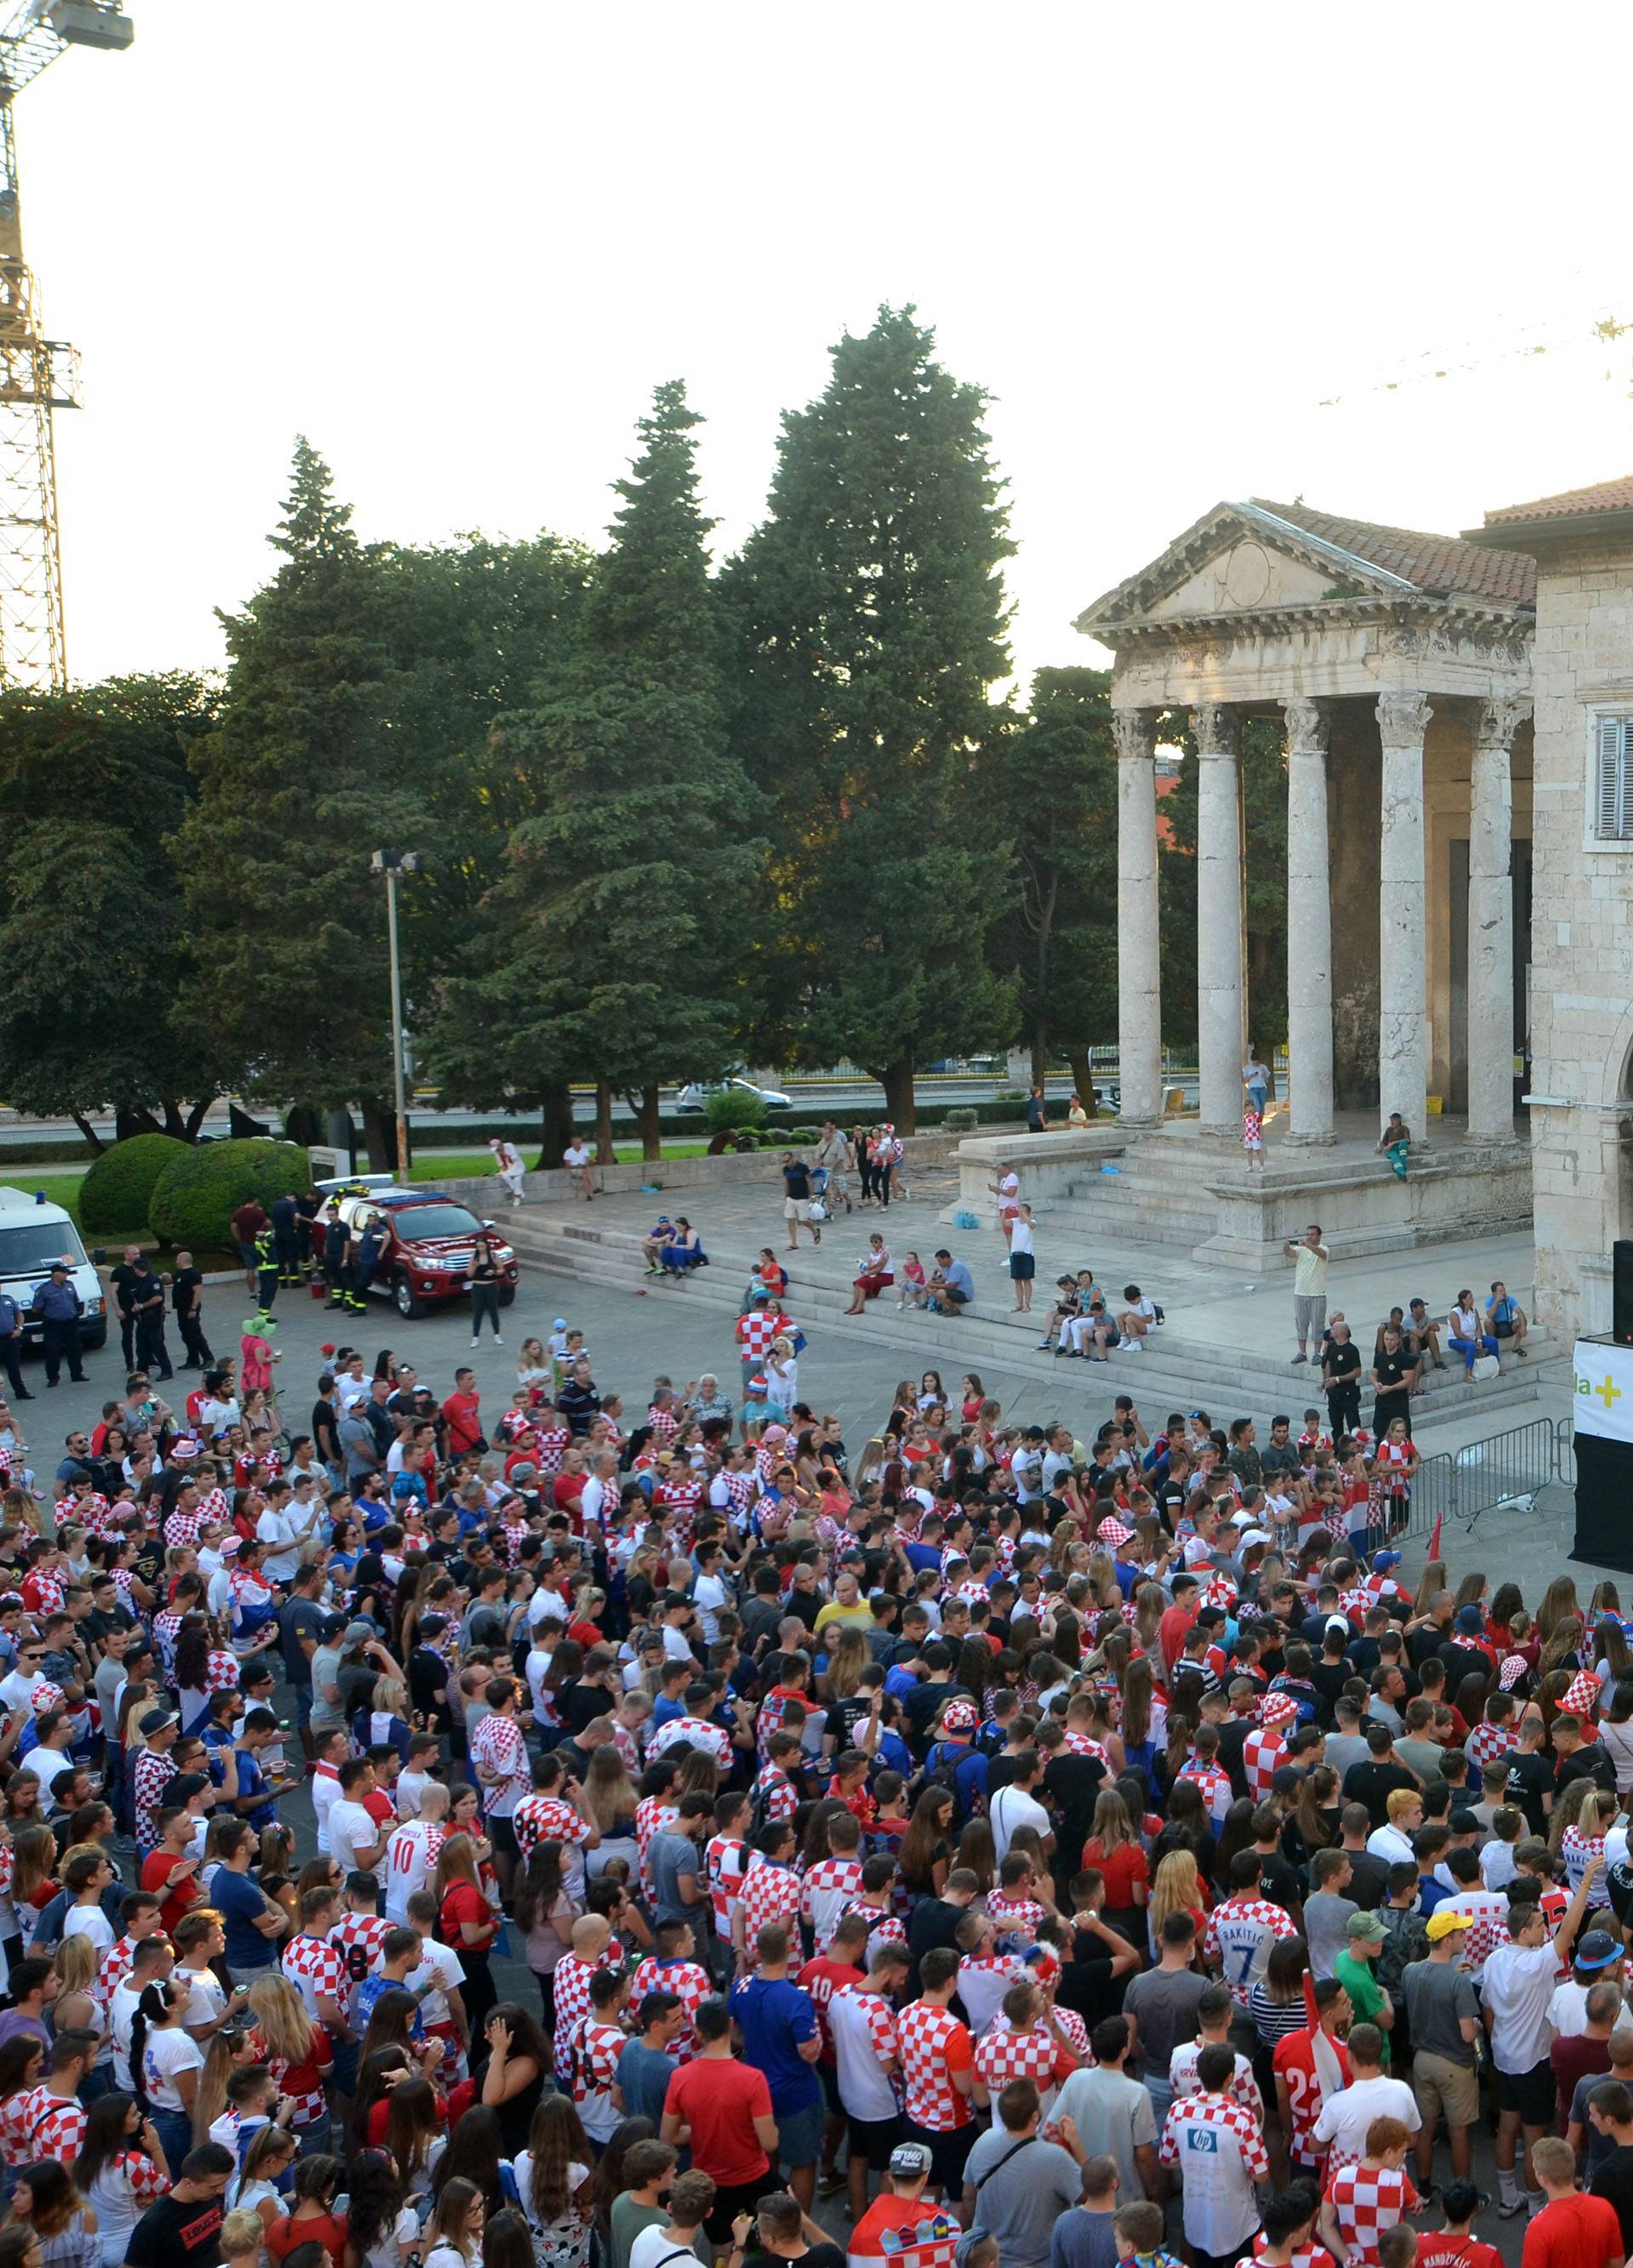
column 426, row 1258
column 696, row 1095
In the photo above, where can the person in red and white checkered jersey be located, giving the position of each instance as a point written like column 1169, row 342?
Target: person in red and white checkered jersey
column 764, row 1321
column 51, row 2125
column 594, row 2046
column 1363, row 2200
column 115, row 1963
column 938, row 2071
column 594, row 1948
column 1020, row 2045
column 151, row 1773
column 1242, row 1928
column 315, row 1968
column 1218, row 2152
column 711, row 1740
column 832, row 1884
column 772, row 1889
column 668, row 1969
column 1264, row 1751
column 554, row 1442
column 357, row 1936
column 1497, row 1733
column 727, row 1858
column 1184, row 2072
column 653, row 1814
column 1013, row 1908
column 550, row 1814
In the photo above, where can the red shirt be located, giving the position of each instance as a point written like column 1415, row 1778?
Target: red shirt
column 1574, row 2232
column 1126, row 1869
column 158, row 1871
column 463, row 1903
column 461, row 1411
column 1171, row 1629
column 719, row 2099
column 1443, row 2251
column 821, row 1979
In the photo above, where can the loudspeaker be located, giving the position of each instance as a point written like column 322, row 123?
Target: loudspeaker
column 1622, row 1291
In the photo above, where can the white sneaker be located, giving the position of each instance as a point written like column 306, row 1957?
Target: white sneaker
column 497, row 1340
column 475, row 1341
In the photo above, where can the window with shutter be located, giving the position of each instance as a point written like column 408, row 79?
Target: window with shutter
column 1613, row 808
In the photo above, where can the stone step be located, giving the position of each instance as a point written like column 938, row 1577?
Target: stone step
column 1179, row 1372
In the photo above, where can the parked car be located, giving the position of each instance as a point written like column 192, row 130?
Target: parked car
column 425, row 1260
column 33, row 1233
column 696, row 1095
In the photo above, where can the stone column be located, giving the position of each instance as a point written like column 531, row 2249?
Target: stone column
column 1139, row 989
column 1402, row 958
column 1309, row 927
column 1491, row 924
column 1220, row 1035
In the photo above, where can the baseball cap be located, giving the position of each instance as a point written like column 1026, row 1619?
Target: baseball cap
column 334, row 1624
column 358, row 1631
column 1337, row 1623
column 1382, row 1561
column 1253, row 1536
column 1470, row 1621
column 761, row 1294
column 560, row 1323
column 1597, row 1950
column 1369, row 1926
column 909, row 2160
column 155, row 1721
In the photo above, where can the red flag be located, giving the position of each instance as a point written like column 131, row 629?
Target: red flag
column 1434, row 1540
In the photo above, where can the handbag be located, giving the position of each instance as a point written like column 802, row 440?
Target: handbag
column 816, row 1209
column 1486, row 1366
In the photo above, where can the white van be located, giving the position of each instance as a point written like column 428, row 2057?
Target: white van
column 32, row 1234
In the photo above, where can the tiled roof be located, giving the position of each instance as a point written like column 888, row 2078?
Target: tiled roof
column 1434, row 564
column 1606, row 496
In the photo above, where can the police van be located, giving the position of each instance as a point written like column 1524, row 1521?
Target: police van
column 32, row 1234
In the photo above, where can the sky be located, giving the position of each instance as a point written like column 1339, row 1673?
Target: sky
column 457, row 244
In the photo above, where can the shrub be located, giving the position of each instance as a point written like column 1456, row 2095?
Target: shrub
column 729, row 1107
column 800, row 1138
column 115, row 1195
column 198, row 1193
column 962, row 1119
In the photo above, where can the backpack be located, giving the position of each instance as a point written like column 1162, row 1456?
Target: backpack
column 1408, row 1940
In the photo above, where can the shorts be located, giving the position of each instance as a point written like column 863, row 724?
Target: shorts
column 1440, row 2084
column 246, row 1254
column 741, row 2196
column 948, row 2153
column 799, row 2135
column 957, row 1299
column 501, row 1834
column 796, row 1208
column 872, row 2139
column 1023, row 1266
column 1309, row 1315
column 1530, row 2092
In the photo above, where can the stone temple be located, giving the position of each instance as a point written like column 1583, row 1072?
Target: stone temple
column 1458, row 721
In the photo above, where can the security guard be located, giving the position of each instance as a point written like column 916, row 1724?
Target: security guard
column 370, row 1245
column 285, row 1232
column 336, row 1245
column 59, row 1307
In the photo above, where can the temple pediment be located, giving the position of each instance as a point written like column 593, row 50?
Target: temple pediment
column 1257, row 558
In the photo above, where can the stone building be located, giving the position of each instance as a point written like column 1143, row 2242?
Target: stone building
column 1424, row 821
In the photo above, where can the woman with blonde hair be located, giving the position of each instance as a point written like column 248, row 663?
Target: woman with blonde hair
column 1585, row 1837
column 465, row 1920
column 1176, row 1888
column 1150, row 1604
column 1114, row 1850
column 1431, row 1583
column 234, row 2047
column 611, row 1797
column 849, row 1656
column 296, row 2050
column 258, row 2187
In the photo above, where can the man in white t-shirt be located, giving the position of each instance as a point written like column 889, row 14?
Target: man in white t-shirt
column 1017, row 1805
column 576, row 1158
column 355, row 1843
column 411, row 1851
column 1517, row 1995
column 1346, row 2116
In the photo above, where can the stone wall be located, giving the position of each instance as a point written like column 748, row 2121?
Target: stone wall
column 1582, row 938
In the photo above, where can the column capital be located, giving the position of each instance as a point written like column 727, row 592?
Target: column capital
column 1135, row 732
column 1309, row 726
column 1216, row 729
column 1496, row 722
column 1402, row 719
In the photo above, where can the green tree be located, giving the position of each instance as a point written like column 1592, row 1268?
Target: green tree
column 1055, row 785
column 870, row 623
column 616, row 948
column 296, row 787
column 1264, row 845
column 93, row 941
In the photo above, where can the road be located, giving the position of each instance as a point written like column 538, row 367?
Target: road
column 847, row 1098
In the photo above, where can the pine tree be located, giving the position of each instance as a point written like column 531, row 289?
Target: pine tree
column 617, row 945
column 296, row 788
column 1054, row 782
column 870, row 630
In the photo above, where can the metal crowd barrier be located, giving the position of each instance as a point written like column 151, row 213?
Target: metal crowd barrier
column 1511, row 1469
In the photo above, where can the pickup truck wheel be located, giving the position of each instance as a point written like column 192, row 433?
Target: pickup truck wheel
column 406, row 1299
column 507, row 1295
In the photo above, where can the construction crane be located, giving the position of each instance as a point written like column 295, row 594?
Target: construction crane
column 38, row 376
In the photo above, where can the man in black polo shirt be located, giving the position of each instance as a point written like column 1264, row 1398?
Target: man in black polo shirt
column 1374, row 1782
column 1341, row 1375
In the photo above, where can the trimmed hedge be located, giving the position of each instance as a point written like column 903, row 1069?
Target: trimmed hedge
column 197, row 1194
column 118, row 1190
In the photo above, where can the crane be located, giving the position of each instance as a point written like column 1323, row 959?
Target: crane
column 38, row 375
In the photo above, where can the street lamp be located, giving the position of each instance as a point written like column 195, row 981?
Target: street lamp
column 390, row 864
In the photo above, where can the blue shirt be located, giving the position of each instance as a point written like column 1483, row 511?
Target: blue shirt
column 237, row 1900
column 644, row 2077
column 58, row 1303
column 957, row 1278
column 773, row 2016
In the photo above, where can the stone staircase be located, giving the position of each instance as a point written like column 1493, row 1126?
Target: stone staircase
column 1245, row 1380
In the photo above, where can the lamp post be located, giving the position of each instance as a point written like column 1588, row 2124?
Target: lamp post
column 390, row 864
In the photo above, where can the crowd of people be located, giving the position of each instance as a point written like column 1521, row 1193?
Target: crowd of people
column 1055, row 1847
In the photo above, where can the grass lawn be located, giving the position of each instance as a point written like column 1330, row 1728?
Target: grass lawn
column 470, row 1164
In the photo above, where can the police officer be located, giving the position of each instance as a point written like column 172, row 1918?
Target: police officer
column 266, row 1268
column 148, row 1298
column 336, row 1253
column 305, row 1214
column 12, row 1346
column 59, row 1307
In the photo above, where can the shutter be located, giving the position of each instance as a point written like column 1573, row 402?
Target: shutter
column 1610, row 792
